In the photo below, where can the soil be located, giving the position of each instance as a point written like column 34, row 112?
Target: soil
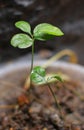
column 41, row 113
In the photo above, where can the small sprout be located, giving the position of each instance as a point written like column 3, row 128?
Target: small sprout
column 42, row 32
column 38, row 76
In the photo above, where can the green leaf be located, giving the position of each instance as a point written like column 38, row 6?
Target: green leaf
column 46, row 31
column 54, row 77
column 38, row 75
column 21, row 41
column 24, row 26
column 58, row 78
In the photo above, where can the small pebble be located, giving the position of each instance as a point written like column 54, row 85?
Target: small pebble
column 55, row 118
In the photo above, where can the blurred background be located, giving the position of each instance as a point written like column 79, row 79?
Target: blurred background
column 66, row 14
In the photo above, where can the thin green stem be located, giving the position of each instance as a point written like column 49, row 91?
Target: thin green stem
column 57, row 104
column 32, row 58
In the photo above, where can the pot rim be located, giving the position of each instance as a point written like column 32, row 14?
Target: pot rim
column 7, row 68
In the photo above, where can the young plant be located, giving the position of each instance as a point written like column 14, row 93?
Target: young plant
column 41, row 32
column 38, row 76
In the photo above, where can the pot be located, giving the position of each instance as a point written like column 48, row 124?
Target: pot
column 12, row 74
column 12, row 77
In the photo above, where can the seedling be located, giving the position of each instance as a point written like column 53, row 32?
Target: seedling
column 41, row 32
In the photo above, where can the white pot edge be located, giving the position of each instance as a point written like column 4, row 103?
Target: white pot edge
column 5, row 69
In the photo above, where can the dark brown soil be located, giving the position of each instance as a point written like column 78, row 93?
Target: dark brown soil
column 41, row 112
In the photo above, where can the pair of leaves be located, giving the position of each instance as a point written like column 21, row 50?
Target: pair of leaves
column 38, row 76
column 41, row 32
